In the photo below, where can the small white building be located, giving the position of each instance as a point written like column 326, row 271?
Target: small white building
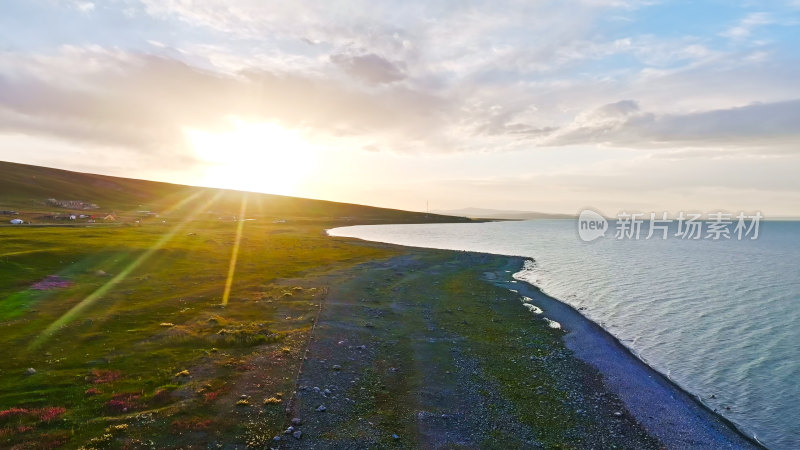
column 72, row 217
column 17, row 221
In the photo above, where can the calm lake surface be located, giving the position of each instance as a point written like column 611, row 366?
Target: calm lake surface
column 720, row 318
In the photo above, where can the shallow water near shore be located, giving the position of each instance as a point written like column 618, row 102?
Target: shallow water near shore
column 717, row 317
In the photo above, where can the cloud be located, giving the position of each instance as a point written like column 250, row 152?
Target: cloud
column 609, row 114
column 749, row 23
column 474, row 77
column 109, row 98
column 369, row 67
column 85, row 7
column 144, row 102
column 625, row 124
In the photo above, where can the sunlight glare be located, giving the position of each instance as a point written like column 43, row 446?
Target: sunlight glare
column 260, row 157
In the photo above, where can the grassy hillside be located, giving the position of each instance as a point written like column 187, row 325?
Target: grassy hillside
column 26, row 189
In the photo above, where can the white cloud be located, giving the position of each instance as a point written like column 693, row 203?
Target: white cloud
column 141, row 101
column 748, row 24
column 84, row 7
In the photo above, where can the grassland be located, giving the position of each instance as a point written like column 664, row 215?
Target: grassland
column 124, row 356
column 122, row 336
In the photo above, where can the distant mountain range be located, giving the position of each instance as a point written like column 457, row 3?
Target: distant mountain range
column 482, row 213
column 485, row 213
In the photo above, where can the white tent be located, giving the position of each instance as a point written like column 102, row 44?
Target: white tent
column 17, row 221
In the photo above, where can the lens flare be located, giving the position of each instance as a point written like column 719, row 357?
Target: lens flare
column 92, row 298
column 235, row 253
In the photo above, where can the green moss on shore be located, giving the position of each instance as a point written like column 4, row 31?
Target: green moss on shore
column 448, row 359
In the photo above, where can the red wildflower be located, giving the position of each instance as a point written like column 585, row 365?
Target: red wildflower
column 13, row 412
column 50, row 413
column 92, row 391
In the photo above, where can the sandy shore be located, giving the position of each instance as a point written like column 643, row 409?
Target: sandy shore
column 665, row 410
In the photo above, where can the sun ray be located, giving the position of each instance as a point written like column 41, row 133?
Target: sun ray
column 92, row 298
column 183, row 202
column 235, row 253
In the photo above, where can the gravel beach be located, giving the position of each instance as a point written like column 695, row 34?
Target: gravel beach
column 434, row 349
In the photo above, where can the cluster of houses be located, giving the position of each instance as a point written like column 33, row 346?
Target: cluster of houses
column 88, row 218
column 66, row 216
column 74, row 215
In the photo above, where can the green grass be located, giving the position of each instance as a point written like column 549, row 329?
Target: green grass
column 505, row 343
column 163, row 318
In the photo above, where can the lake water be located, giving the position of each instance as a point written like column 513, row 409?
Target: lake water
column 720, row 318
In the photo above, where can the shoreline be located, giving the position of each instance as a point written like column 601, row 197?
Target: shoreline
column 682, row 419
column 418, row 350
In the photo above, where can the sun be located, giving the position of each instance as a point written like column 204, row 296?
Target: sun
column 259, row 157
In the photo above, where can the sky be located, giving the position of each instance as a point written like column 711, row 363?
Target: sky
column 547, row 106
